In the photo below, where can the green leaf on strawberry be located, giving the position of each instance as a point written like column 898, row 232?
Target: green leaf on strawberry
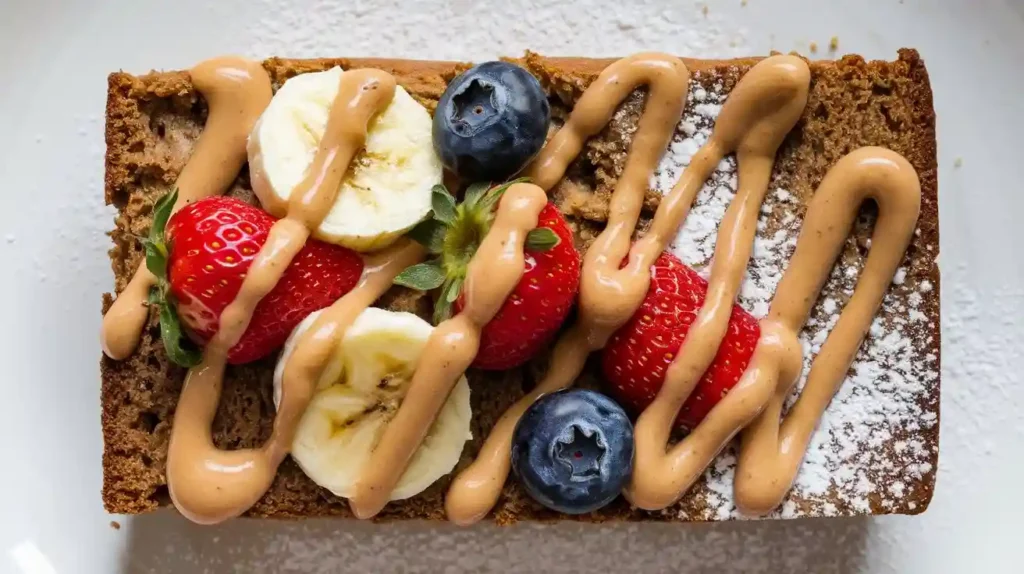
column 453, row 233
column 421, row 277
column 541, row 239
column 430, row 234
column 443, row 204
column 179, row 349
column 536, row 307
column 474, row 192
column 156, row 244
column 210, row 245
column 161, row 214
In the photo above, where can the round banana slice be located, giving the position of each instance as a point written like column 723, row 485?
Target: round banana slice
column 387, row 188
column 358, row 394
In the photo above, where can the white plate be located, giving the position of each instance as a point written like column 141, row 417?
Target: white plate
column 54, row 57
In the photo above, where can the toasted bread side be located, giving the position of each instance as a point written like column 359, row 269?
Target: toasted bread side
column 153, row 120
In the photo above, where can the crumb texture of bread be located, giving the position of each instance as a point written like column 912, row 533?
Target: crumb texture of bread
column 152, row 122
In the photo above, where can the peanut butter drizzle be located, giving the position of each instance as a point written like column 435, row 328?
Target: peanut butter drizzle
column 760, row 111
column 771, row 452
column 758, row 114
column 492, row 274
column 237, row 91
column 209, row 485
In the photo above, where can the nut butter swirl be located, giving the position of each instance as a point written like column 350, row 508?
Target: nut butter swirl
column 760, row 111
column 209, row 485
column 771, row 452
column 237, row 91
column 762, row 108
column 493, row 273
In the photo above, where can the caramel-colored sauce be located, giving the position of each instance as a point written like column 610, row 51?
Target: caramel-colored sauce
column 209, row 485
column 608, row 295
column 237, row 91
column 759, row 113
column 493, row 273
column 212, row 485
column 771, row 452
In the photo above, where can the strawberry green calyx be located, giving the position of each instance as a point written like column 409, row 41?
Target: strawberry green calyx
column 452, row 235
column 179, row 350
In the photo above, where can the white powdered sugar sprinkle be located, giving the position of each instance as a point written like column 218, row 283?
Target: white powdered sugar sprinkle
column 868, row 444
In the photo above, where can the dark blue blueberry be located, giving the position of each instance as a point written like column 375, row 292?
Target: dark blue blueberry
column 490, row 121
column 573, row 450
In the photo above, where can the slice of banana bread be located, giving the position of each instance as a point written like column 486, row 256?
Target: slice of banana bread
column 877, row 447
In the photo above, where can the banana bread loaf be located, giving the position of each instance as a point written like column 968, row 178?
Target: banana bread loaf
column 877, row 447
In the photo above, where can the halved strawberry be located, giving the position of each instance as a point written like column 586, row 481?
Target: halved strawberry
column 639, row 353
column 202, row 259
column 538, row 305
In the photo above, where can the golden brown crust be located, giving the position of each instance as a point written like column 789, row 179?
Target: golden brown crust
column 153, row 120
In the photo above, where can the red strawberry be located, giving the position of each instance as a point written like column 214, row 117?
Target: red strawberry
column 639, row 353
column 212, row 244
column 539, row 303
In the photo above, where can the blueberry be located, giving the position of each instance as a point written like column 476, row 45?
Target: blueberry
column 490, row 121
column 573, row 450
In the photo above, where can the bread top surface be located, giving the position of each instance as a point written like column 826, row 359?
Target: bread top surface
column 877, row 448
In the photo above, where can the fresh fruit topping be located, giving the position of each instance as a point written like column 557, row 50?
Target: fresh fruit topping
column 537, row 306
column 200, row 265
column 359, row 392
column 573, row 450
column 639, row 353
column 387, row 188
column 490, row 122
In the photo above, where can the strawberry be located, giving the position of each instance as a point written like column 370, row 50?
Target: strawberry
column 539, row 303
column 209, row 247
column 639, row 353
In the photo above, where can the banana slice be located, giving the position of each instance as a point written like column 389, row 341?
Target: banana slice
column 358, row 394
column 387, row 188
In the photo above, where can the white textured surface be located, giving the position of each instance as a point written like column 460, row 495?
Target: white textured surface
column 53, row 247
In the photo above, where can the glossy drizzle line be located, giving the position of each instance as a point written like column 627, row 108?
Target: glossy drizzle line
column 493, row 273
column 771, row 453
column 209, row 485
column 761, row 110
column 756, row 117
column 660, row 477
column 237, row 91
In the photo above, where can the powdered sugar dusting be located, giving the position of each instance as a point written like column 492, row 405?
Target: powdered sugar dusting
column 868, row 444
